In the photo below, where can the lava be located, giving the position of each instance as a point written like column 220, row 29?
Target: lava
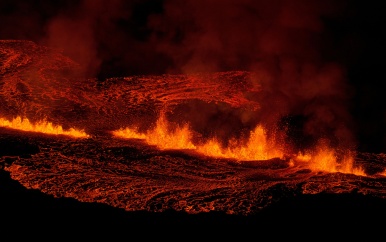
column 213, row 142
column 257, row 147
column 41, row 127
column 161, row 136
column 324, row 158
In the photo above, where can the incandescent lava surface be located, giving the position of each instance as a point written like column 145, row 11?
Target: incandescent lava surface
column 188, row 143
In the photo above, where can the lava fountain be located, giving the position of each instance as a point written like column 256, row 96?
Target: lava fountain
column 207, row 142
column 42, row 126
column 257, row 147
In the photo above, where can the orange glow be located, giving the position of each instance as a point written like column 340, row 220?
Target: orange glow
column 326, row 159
column 383, row 173
column 303, row 157
column 129, row 133
column 41, row 127
column 258, row 147
column 161, row 136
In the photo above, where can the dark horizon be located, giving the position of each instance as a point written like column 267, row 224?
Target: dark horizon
column 279, row 40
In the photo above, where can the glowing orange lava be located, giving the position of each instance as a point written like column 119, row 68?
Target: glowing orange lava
column 161, row 136
column 326, row 159
column 383, row 173
column 258, row 147
column 41, row 127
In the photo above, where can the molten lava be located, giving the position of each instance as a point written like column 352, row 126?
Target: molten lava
column 324, row 158
column 41, row 127
column 161, row 136
column 257, row 147
column 223, row 115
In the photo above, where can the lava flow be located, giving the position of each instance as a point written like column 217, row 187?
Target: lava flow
column 45, row 127
column 257, row 147
column 215, row 147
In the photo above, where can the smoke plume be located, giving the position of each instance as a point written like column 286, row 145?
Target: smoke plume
column 301, row 51
column 280, row 41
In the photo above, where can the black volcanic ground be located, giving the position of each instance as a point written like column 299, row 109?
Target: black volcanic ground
column 107, row 181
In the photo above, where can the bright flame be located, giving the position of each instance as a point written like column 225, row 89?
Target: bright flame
column 326, row 159
column 383, row 173
column 303, row 157
column 257, row 147
column 41, row 127
column 161, row 136
column 129, row 133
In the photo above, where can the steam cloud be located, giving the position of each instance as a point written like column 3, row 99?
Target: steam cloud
column 280, row 41
column 286, row 43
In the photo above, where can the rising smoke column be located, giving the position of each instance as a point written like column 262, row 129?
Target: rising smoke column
column 109, row 38
column 282, row 41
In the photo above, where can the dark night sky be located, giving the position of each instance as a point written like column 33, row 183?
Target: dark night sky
column 341, row 42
